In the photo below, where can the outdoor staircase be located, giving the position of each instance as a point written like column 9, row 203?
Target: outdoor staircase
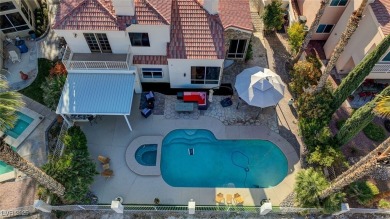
column 257, row 22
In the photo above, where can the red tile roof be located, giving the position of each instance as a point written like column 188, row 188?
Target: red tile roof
column 163, row 7
column 195, row 34
column 147, row 14
column 85, row 15
column 381, row 10
column 150, row 60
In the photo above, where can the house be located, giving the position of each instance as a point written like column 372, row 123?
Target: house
column 180, row 42
column 373, row 28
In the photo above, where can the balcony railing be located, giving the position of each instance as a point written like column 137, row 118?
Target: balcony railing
column 381, row 68
column 95, row 61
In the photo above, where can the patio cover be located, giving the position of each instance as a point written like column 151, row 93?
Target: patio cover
column 97, row 94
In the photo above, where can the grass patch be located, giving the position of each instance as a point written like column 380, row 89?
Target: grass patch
column 340, row 123
column 374, row 132
column 34, row 91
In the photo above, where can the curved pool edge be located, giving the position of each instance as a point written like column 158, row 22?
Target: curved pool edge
column 133, row 164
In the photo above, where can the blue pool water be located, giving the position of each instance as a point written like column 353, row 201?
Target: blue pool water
column 146, row 154
column 21, row 124
column 4, row 168
column 220, row 163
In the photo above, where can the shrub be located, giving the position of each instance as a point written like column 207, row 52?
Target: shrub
column 340, row 123
column 315, row 61
column 384, row 204
column 363, row 191
column 325, row 157
column 249, row 53
column 303, row 75
column 74, row 169
column 52, row 89
column 296, row 34
column 374, row 132
column 58, row 69
column 273, row 16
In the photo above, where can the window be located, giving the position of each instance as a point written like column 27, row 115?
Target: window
column 205, row 75
column 324, row 28
column 98, row 42
column 139, row 39
column 152, row 73
column 27, row 12
column 386, row 58
column 5, row 6
column 338, row 2
column 12, row 23
column 236, row 49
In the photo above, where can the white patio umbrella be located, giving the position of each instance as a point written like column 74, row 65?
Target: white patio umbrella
column 259, row 87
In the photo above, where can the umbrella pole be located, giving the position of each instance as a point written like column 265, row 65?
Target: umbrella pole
column 261, row 110
column 238, row 103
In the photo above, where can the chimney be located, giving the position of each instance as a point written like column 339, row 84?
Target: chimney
column 124, row 7
column 211, row 6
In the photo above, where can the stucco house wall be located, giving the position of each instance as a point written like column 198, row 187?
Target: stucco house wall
column 159, row 36
column 180, row 72
column 165, row 70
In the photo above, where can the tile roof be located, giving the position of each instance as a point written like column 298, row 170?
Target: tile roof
column 85, row 15
column 150, row 60
column 100, row 15
column 235, row 13
column 195, row 34
column 381, row 10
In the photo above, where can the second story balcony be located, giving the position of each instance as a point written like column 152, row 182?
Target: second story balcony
column 380, row 71
column 96, row 61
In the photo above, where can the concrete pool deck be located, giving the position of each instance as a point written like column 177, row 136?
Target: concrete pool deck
column 111, row 137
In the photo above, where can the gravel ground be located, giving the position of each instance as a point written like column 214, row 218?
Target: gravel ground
column 16, row 194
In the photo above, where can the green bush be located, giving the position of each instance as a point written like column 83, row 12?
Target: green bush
column 74, row 169
column 249, row 52
column 384, row 204
column 315, row 61
column 325, row 156
column 303, row 75
column 340, row 123
column 363, row 191
column 273, row 16
column 296, row 34
column 374, row 132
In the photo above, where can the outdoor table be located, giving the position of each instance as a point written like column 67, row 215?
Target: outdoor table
column 184, row 107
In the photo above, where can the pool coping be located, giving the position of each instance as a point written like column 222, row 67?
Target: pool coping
column 37, row 118
column 133, row 164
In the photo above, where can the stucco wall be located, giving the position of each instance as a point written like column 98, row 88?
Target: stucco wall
column 120, row 41
column 365, row 38
column 331, row 15
column 236, row 34
column 164, row 68
column 179, row 67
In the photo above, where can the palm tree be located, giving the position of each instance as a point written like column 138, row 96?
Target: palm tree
column 308, row 186
column 10, row 101
column 379, row 156
column 12, row 158
column 312, row 29
column 382, row 108
column 345, row 36
column 360, row 119
column 357, row 75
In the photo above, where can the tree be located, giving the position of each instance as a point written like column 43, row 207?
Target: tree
column 325, row 156
column 360, row 119
column 382, row 108
column 363, row 191
column 378, row 156
column 10, row 101
column 296, row 34
column 303, row 75
column 312, row 29
column 12, row 158
column 273, row 16
column 52, row 89
column 352, row 25
column 357, row 75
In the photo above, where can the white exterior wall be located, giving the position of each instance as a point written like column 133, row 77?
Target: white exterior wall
column 179, row 67
column 362, row 41
column 159, row 36
column 120, row 40
column 164, row 68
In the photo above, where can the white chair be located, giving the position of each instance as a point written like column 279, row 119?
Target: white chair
column 13, row 56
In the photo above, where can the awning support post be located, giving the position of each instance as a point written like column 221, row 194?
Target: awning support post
column 70, row 124
column 128, row 123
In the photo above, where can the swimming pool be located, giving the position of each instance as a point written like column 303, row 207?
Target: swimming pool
column 4, row 168
column 21, row 124
column 146, row 154
column 220, row 163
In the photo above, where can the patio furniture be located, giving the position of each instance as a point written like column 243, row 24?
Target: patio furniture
column 106, row 166
column 179, row 95
column 21, row 45
column 229, row 199
column 184, row 107
column 107, row 173
column 149, row 96
column 199, row 97
column 219, row 198
column 238, row 200
column 146, row 112
column 103, row 160
column 14, row 56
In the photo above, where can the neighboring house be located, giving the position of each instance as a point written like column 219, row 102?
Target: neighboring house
column 373, row 28
column 180, row 42
column 17, row 17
